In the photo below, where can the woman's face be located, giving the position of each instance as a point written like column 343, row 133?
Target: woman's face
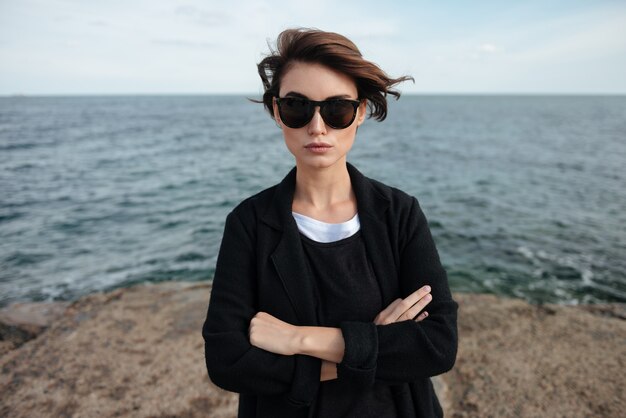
column 317, row 145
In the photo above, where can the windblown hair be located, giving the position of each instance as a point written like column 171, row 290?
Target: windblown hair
column 331, row 50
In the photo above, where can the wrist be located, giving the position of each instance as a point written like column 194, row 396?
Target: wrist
column 299, row 340
column 307, row 341
column 322, row 342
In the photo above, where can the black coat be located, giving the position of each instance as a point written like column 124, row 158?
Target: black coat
column 261, row 267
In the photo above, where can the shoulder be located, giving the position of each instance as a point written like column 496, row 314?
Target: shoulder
column 252, row 207
column 403, row 213
column 398, row 199
column 402, row 209
column 376, row 194
column 242, row 220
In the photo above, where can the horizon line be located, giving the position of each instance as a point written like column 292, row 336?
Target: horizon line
column 251, row 95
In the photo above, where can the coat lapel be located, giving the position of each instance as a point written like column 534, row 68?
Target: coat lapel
column 372, row 206
column 288, row 257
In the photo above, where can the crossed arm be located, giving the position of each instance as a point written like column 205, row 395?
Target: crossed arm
column 260, row 356
column 276, row 336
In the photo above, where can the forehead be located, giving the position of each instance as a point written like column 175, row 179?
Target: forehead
column 316, row 81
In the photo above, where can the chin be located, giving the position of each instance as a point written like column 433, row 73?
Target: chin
column 319, row 162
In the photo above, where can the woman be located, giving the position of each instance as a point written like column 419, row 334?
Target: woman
column 317, row 305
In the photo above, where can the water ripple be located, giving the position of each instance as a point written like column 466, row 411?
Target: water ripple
column 524, row 195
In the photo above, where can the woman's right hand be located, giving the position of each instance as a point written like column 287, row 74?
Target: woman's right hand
column 407, row 308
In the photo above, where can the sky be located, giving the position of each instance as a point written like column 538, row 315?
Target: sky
column 50, row 47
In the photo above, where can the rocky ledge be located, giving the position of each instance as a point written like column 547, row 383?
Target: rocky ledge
column 138, row 352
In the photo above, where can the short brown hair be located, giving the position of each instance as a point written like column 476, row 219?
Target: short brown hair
column 334, row 51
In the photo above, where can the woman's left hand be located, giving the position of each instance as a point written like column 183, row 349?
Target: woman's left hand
column 406, row 309
column 273, row 335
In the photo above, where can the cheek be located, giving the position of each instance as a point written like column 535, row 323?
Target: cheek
column 349, row 137
column 290, row 141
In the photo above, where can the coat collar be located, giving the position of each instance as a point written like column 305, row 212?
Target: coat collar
column 370, row 202
column 289, row 258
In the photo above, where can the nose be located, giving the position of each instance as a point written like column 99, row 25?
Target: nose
column 317, row 126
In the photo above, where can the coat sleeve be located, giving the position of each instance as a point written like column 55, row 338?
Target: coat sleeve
column 232, row 362
column 408, row 350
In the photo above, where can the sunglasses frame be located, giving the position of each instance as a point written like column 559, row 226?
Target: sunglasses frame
column 312, row 104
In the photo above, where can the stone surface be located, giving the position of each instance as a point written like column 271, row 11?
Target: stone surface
column 21, row 322
column 521, row 360
column 138, row 352
column 135, row 352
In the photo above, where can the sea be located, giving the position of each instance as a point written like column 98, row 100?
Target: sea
column 525, row 195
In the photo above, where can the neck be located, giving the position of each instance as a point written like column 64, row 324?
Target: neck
column 323, row 188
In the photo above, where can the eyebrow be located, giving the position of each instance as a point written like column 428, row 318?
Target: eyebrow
column 339, row 96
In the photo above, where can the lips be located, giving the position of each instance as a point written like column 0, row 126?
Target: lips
column 318, row 145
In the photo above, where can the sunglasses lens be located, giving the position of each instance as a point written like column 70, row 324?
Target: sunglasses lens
column 295, row 113
column 338, row 114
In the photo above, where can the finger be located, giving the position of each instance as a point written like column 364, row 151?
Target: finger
column 417, row 308
column 421, row 316
column 385, row 316
column 409, row 301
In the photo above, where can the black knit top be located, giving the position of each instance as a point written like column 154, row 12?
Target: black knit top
column 346, row 289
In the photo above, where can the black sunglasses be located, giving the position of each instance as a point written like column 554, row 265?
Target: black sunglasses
column 296, row 112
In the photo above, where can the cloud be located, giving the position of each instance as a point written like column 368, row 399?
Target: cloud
column 99, row 23
column 530, row 47
column 581, row 39
column 202, row 16
column 489, row 48
column 178, row 43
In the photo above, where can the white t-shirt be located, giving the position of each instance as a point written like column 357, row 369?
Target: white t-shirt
column 325, row 232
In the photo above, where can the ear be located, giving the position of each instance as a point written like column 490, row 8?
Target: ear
column 276, row 114
column 362, row 111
